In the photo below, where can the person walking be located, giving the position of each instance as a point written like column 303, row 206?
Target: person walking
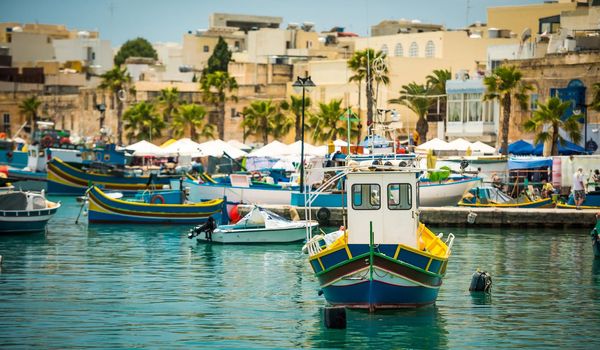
column 578, row 188
column 596, row 180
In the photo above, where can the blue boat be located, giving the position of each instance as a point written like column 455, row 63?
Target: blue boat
column 105, row 209
column 491, row 197
column 385, row 258
column 25, row 211
column 592, row 201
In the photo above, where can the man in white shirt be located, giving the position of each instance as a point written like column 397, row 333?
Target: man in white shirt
column 578, row 188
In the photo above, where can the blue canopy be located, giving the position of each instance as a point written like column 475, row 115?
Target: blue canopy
column 567, row 149
column 529, row 163
column 520, row 148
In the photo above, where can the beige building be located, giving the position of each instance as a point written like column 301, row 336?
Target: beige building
column 390, row 27
column 199, row 46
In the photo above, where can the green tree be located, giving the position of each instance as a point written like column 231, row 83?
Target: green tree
column 549, row 115
column 217, row 88
column 595, row 104
column 437, row 86
column 326, row 123
column 219, row 60
column 142, row 122
column 192, row 116
column 294, row 108
column 138, row 47
column 416, row 98
column 506, row 84
column 117, row 81
column 258, row 119
column 169, row 102
column 29, row 107
column 280, row 124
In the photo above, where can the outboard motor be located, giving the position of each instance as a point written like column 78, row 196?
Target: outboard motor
column 208, row 227
column 481, row 281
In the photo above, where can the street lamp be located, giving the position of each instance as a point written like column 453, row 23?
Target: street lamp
column 303, row 84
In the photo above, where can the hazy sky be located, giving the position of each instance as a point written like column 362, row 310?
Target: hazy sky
column 169, row 20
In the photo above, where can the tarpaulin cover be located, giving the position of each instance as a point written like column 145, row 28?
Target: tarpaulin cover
column 529, row 163
column 520, row 148
column 569, row 148
column 13, row 201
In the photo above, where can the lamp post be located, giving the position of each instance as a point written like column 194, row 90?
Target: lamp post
column 303, row 84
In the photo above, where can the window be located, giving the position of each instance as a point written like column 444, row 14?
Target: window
column 206, row 48
column 384, row 49
column 366, row 197
column 413, row 51
column 399, row 50
column 473, row 107
column 488, row 111
column 399, row 196
column 308, row 44
column 495, row 64
column 454, row 108
column 534, row 102
column 6, row 123
column 430, row 49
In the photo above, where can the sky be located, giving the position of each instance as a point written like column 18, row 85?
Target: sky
column 167, row 21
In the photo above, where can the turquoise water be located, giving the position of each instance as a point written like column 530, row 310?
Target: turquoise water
column 150, row 287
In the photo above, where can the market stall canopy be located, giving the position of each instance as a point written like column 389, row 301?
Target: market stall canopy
column 483, row 148
column 568, row 149
column 237, row 144
column 340, row 143
column 185, row 147
column 216, row 148
column 434, row 145
column 529, row 163
column 168, row 143
column 145, row 148
column 274, row 149
column 460, row 145
column 521, row 148
column 295, row 149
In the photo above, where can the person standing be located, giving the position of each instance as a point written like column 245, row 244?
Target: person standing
column 596, row 180
column 578, row 188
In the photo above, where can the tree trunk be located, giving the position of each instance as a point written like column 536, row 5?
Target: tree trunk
column 359, row 114
column 265, row 132
column 554, row 150
column 506, row 103
column 422, row 129
column 119, row 121
column 193, row 134
column 222, row 120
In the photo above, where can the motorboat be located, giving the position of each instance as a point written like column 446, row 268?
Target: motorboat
column 25, row 211
column 489, row 196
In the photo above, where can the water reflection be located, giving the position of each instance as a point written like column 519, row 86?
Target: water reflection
column 481, row 298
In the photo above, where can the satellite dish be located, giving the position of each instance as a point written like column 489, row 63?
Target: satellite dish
column 525, row 35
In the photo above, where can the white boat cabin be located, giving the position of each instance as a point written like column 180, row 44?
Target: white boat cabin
column 388, row 199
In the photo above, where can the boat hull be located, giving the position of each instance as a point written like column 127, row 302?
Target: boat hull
column 23, row 221
column 544, row 203
column 237, row 195
column 250, row 236
column 444, row 194
column 103, row 209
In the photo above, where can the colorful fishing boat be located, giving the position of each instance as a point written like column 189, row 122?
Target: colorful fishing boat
column 66, row 179
column 385, row 258
column 258, row 226
column 104, row 209
column 592, row 201
column 25, row 211
column 488, row 196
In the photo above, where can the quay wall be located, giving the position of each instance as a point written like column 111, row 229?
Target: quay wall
column 457, row 216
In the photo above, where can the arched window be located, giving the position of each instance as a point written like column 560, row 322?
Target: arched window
column 413, row 51
column 399, row 50
column 384, row 49
column 430, row 49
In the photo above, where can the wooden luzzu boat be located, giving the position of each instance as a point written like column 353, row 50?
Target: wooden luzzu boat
column 104, row 209
column 488, row 196
column 385, row 258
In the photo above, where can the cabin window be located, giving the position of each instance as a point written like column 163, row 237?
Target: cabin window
column 399, row 196
column 366, row 196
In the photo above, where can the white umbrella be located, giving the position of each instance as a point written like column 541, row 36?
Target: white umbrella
column 185, row 147
column 434, row 144
column 145, row 148
column 237, row 144
column 295, row 149
column 483, row 148
column 216, row 148
column 461, row 144
column 274, row 149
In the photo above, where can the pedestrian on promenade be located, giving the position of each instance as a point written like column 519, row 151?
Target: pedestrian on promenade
column 578, row 188
column 596, row 180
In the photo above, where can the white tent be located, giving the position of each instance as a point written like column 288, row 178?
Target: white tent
column 295, row 149
column 460, row 144
column 237, row 144
column 435, row 145
column 483, row 148
column 340, row 143
column 216, row 148
column 145, row 148
column 274, row 149
column 185, row 147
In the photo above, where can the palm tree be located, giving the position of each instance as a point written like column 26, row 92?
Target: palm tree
column 29, row 107
column 549, row 114
column 369, row 65
column 437, row 84
column 280, row 124
column 192, row 116
column 504, row 84
column 142, row 122
column 415, row 97
column 258, row 119
column 116, row 80
column 326, row 123
column 595, row 104
column 169, row 102
column 354, row 63
column 214, row 87
column 294, row 107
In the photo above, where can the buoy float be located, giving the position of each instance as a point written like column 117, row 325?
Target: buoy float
column 481, row 281
column 234, row 215
column 335, row 317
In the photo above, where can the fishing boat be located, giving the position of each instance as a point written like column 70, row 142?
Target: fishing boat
column 25, row 211
column 592, row 201
column 106, row 209
column 488, row 196
column 66, row 179
column 258, row 226
column 596, row 238
column 384, row 258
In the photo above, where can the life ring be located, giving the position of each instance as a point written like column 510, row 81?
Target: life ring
column 9, row 155
column 157, row 197
column 256, row 176
column 47, row 141
column 323, row 216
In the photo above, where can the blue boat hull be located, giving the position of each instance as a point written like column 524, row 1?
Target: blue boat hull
column 25, row 221
column 380, row 295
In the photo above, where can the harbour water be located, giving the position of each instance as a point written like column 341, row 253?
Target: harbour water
column 150, row 287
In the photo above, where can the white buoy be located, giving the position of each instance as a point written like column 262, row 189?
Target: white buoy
column 0, row 260
column 471, row 217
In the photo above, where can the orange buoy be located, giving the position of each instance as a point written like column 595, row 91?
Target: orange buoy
column 234, row 215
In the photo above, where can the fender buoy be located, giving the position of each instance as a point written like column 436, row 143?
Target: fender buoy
column 47, row 141
column 234, row 215
column 323, row 216
column 256, row 176
column 156, row 198
column 9, row 155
